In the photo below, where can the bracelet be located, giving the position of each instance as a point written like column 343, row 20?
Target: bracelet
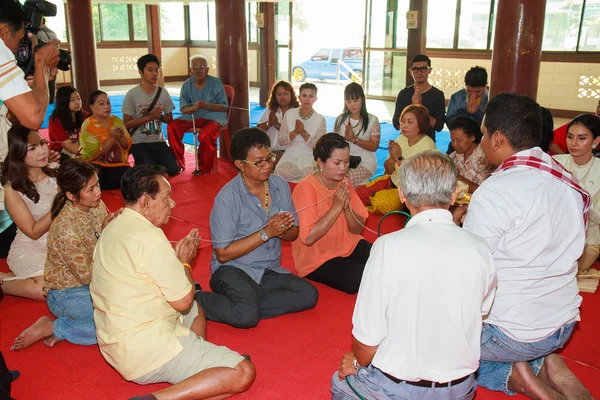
column 188, row 266
column 355, row 364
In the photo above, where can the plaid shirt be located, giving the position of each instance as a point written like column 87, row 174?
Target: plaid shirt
column 535, row 158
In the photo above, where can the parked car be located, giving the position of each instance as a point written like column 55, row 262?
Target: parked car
column 324, row 64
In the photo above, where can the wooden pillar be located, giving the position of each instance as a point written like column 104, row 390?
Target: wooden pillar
column 83, row 47
column 232, row 61
column 154, row 46
column 517, row 50
column 416, row 37
column 267, row 52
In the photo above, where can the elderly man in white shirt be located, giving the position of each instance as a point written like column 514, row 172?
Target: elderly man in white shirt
column 532, row 213
column 418, row 316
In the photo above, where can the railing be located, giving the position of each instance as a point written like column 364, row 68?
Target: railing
column 349, row 73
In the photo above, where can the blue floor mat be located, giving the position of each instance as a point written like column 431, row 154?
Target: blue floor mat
column 388, row 132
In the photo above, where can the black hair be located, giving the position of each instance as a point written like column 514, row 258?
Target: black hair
column 62, row 112
column 420, row 58
column 144, row 60
column 14, row 170
column 272, row 102
column 73, row 175
column 141, row 180
column 590, row 121
column 468, row 126
column 94, row 95
column 547, row 129
column 246, row 139
column 12, row 14
column 351, row 92
column 311, row 86
column 327, row 144
column 515, row 116
column 476, row 77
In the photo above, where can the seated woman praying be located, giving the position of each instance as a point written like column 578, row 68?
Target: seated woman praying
column 29, row 187
column 414, row 126
column 300, row 129
column 105, row 142
column 78, row 218
column 282, row 99
column 583, row 136
column 65, row 122
column 330, row 248
column 362, row 130
column 468, row 156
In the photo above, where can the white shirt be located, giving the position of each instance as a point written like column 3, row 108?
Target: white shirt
column 589, row 178
column 12, row 78
column 534, row 226
column 272, row 132
column 424, row 308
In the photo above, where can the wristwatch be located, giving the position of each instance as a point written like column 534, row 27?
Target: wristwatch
column 264, row 236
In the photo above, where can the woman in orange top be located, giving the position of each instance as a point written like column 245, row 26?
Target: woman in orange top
column 329, row 248
column 105, row 142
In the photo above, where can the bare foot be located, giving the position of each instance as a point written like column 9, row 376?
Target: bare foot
column 523, row 380
column 42, row 328
column 557, row 375
column 50, row 341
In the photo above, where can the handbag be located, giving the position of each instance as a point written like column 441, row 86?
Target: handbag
column 355, row 161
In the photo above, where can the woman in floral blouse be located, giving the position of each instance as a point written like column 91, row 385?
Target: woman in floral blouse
column 78, row 218
column 471, row 164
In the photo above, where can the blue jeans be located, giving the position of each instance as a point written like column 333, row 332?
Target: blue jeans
column 74, row 314
column 371, row 384
column 499, row 352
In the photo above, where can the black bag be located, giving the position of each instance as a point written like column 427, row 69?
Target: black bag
column 355, row 161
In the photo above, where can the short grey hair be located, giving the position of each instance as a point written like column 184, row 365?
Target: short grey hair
column 428, row 179
column 197, row 57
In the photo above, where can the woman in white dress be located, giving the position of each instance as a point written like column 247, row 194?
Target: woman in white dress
column 300, row 130
column 362, row 130
column 282, row 98
column 30, row 188
column 583, row 137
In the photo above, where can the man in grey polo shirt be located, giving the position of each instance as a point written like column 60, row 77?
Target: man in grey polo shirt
column 251, row 215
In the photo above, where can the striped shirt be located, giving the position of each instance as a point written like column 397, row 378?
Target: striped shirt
column 12, row 79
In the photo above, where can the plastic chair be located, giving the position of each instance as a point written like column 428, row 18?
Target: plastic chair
column 230, row 93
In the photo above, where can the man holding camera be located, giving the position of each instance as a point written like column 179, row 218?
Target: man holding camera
column 28, row 105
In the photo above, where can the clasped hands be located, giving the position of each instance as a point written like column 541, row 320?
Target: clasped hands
column 198, row 105
column 299, row 130
column 156, row 113
column 279, row 224
column 117, row 132
column 394, row 149
column 187, row 248
column 341, row 198
column 472, row 105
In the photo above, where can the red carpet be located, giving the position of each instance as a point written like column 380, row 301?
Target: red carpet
column 295, row 355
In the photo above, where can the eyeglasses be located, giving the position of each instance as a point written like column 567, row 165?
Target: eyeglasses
column 419, row 69
column 262, row 163
column 199, row 67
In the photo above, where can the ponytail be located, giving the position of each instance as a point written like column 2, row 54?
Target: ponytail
column 57, row 204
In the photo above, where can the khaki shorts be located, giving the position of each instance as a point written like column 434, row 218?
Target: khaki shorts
column 196, row 356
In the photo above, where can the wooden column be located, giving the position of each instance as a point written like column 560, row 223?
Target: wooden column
column 517, row 50
column 83, row 47
column 416, row 37
column 154, row 46
column 232, row 61
column 267, row 52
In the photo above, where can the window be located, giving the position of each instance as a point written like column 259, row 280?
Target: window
column 321, row 55
column 252, row 28
column 561, row 24
column 589, row 39
column 202, row 22
column 114, row 21
column 171, row 21
column 96, row 18
column 335, row 55
column 140, row 28
column 441, row 23
column 473, row 24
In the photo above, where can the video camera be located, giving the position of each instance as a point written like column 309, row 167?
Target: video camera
column 36, row 10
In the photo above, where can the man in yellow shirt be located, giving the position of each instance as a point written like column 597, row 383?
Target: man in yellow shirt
column 149, row 327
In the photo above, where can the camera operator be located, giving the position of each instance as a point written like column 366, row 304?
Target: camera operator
column 27, row 104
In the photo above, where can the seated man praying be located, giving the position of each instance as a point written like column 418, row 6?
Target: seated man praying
column 417, row 328
column 149, row 327
column 251, row 215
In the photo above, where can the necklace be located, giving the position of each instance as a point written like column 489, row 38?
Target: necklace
column 267, row 194
column 307, row 117
column 356, row 128
column 323, row 182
